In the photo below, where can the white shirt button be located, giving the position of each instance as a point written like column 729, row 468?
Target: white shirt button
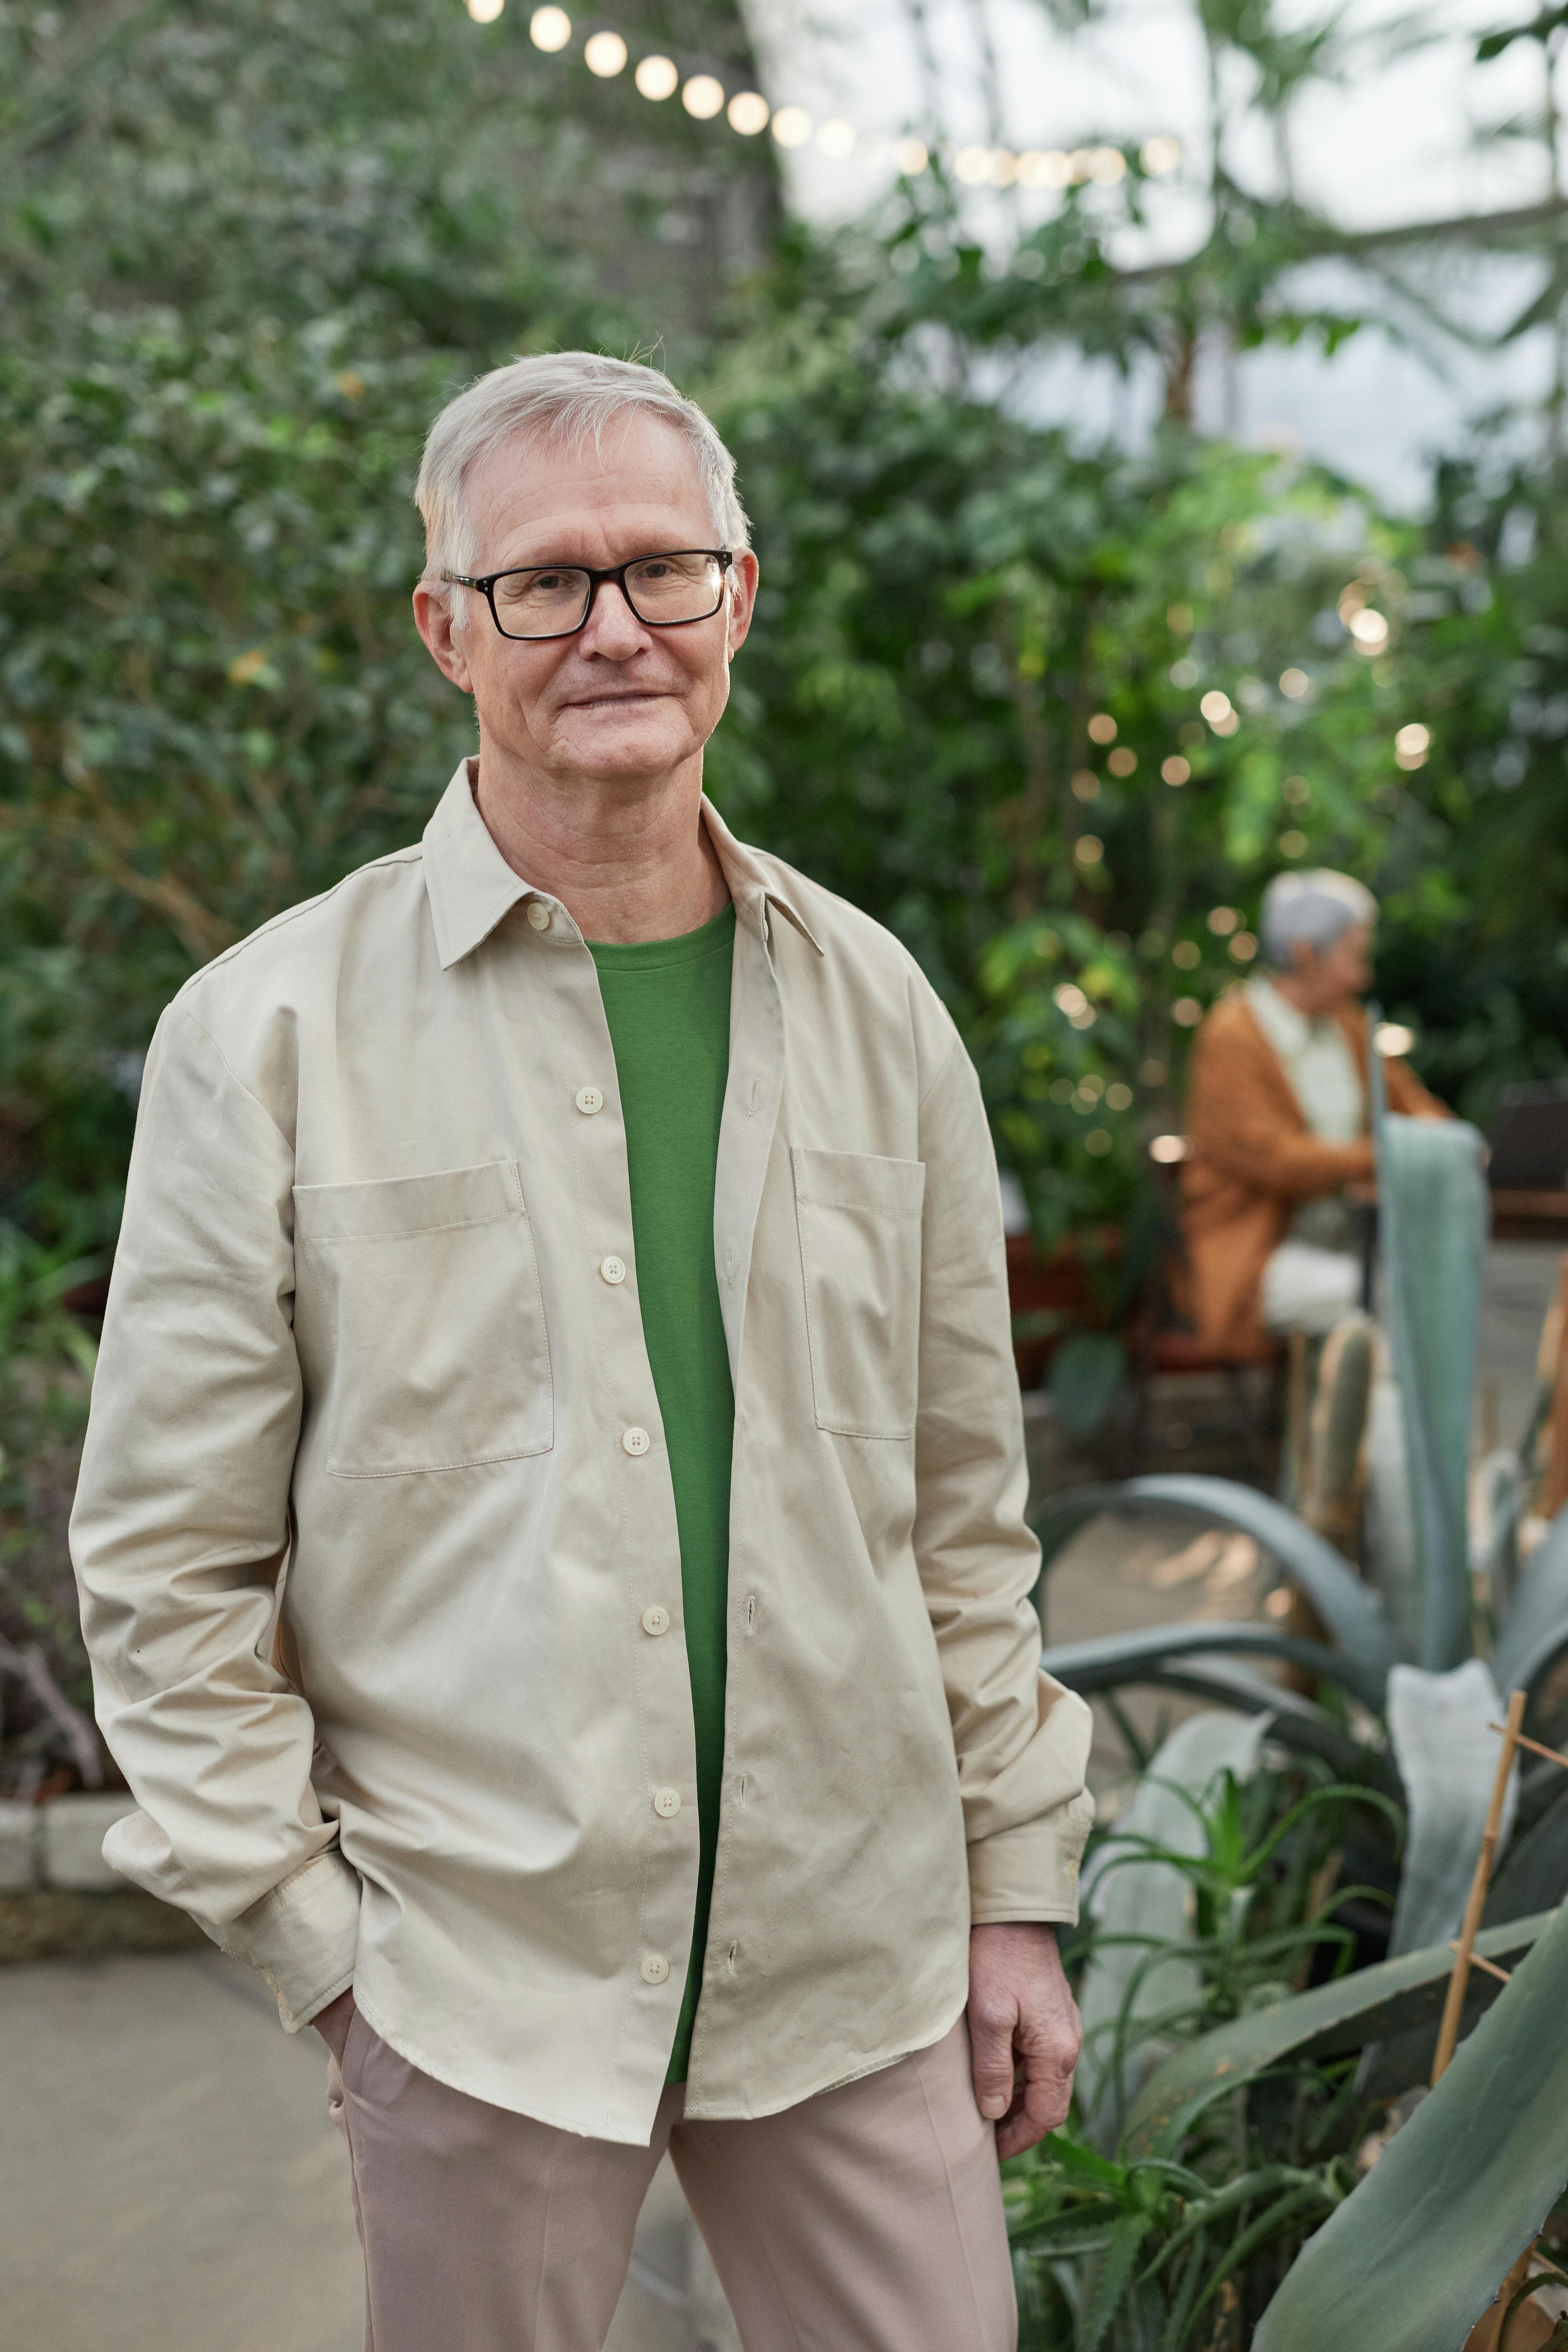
column 656, row 1620
column 655, row 1968
column 589, row 1100
column 537, row 915
column 613, row 1269
column 635, row 1440
column 666, row 1803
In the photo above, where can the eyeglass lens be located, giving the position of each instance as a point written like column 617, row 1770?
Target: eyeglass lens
column 661, row 589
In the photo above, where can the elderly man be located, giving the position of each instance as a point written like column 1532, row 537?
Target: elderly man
column 1277, row 1115
column 551, row 1531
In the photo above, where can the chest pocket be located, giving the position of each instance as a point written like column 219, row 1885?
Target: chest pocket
column 419, row 1321
column 859, row 1221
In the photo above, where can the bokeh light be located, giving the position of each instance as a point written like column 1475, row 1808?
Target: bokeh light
column 657, row 77
column 703, row 97
column 604, row 54
column 550, row 28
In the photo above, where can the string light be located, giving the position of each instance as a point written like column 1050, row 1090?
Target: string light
column 657, row 77
column 703, row 97
column 748, row 112
column 604, row 54
column 550, row 28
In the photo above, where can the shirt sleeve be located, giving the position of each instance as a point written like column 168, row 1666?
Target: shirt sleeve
column 180, row 1534
column 1021, row 1738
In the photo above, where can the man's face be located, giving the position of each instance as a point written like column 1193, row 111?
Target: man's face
column 618, row 701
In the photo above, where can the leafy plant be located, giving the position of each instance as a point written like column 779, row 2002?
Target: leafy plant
column 46, row 1356
column 1129, row 2244
column 1413, row 2258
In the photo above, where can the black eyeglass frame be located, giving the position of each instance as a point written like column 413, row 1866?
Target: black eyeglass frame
column 722, row 556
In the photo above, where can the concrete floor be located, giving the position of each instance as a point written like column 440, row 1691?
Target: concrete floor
column 169, row 2180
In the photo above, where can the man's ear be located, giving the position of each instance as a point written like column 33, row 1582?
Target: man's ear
column 742, row 593
column 447, row 646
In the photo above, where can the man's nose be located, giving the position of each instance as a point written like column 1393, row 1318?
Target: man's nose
column 611, row 628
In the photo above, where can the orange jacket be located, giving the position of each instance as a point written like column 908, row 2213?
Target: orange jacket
column 1254, row 1159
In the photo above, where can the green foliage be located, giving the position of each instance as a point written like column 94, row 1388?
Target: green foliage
column 1147, row 2250
column 249, row 247
column 46, row 1357
column 245, row 270
column 1411, row 2259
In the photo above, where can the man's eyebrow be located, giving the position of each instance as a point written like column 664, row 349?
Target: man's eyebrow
column 578, row 563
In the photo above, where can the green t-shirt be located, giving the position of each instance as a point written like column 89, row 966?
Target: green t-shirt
column 668, row 1004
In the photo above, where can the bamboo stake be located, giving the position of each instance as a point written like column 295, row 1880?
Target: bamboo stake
column 1553, row 1754
column 1448, row 2032
column 1503, row 1976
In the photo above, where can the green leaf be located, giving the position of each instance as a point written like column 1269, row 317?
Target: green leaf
column 1447, row 1757
column 1347, row 1606
column 1145, row 1906
column 1534, row 1873
column 1537, row 1622
column 1434, row 1219
column 1333, row 2020
column 1121, row 1657
column 1411, row 2259
column 1159, row 1658
column 1109, row 2280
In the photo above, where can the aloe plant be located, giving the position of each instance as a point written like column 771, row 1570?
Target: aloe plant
column 1140, row 2247
column 1202, row 1905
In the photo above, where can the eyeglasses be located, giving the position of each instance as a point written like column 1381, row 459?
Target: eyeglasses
column 554, row 600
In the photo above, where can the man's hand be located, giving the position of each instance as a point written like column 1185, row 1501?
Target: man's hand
column 1024, row 2032
column 333, row 2022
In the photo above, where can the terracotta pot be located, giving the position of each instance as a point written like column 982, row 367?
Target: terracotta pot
column 1063, row 1284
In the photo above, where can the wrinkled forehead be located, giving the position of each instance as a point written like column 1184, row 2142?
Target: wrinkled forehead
column 631, row 489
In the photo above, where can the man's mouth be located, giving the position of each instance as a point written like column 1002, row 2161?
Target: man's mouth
column 614, row 701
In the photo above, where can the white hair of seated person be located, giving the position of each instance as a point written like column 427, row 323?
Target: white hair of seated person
column 1310, row 910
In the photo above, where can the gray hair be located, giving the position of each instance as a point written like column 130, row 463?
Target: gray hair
column 565, row 398
column 1314, row 910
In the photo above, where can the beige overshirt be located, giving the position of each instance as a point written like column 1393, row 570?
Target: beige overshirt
column 377, row 1543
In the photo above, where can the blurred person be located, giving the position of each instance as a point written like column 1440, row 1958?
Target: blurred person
column 551, row 1534
column 1278, row 1123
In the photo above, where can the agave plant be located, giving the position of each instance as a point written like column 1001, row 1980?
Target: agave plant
column 1412, row 1646
column 1411, row 1670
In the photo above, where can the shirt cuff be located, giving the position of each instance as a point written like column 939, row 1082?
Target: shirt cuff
column 303, row 1938
column 1031, row 1872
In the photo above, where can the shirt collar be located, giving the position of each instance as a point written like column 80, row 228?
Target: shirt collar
column 756, row 883
column 471, row 887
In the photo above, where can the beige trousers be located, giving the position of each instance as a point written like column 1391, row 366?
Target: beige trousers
column 865, row 2220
